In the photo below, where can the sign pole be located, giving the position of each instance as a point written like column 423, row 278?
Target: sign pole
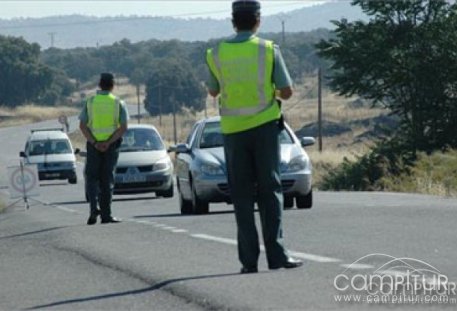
column 23, row 183
column 24, row 191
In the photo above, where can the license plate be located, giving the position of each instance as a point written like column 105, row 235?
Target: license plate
column 133, row 178
column 52, row 175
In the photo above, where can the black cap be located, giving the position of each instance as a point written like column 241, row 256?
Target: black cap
column 246, row 6
column 106, row 76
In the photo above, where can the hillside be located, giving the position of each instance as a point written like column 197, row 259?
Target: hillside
column 85, row 31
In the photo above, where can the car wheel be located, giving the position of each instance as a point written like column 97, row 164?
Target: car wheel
column 305, row 201
column 288, row 202
column 73, row 180
column 167, row 193
column 199, row 206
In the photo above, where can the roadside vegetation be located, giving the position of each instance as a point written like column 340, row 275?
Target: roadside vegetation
column 31, row 114
column 402, row 60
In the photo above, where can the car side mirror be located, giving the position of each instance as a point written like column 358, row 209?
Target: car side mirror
column 182, row 148
column 77, row 151
column 22, row 154
column 307, row 141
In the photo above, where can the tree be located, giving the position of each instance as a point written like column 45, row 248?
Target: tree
column 172, row 84
column 23, row 77
column 404, row 59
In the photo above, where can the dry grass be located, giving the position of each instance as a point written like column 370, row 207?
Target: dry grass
column 299, row 111
column 434, row 174
column 31, row 114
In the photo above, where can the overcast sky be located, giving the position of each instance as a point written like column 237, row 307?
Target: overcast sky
column 184, row 9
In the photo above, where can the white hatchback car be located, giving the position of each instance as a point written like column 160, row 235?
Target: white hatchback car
column 144, row 164
column 52, row 152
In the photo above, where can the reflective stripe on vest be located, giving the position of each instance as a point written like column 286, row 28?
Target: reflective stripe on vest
column 103, row 114
column 263, row 103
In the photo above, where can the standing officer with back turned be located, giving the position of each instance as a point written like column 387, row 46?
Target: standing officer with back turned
column 248, row 72
column 103, row 121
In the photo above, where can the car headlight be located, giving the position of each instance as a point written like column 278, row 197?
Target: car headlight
column 211, row 169
column 297, row 164
column 161, row 165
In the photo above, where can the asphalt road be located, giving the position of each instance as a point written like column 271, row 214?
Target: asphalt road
column 157, row 259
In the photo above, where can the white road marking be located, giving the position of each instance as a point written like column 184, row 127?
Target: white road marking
column 357, row 266
column 142, row 222
column 66, row 209
column 179, row 231
column 305, row 256
column 300, row 255
column 214, row 238
column 313, row 257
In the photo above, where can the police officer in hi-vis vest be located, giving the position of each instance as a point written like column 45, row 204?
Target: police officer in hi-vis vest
column 249, row 72
column 103, row 121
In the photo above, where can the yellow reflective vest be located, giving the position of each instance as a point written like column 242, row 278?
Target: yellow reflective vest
column 244, row 72
column 103, row 113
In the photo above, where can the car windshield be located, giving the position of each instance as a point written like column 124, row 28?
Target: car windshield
column 141, row 139
column 41, row 147
column 211, row 136
column 284, row 137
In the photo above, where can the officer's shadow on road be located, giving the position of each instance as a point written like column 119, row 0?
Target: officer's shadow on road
column 130, row 292
column 181, row 215
column 114, row 200
column 32, row 232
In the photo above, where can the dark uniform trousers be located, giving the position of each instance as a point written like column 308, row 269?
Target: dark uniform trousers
column 253, row 165
column 99, row 171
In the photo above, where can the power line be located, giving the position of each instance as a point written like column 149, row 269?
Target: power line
column 134, row 18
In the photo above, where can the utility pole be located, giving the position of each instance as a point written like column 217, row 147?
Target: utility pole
column 138, row 97
column 282, row 18
column 160, row 105
column 319, row 108
column 52, row 36
column 206, row 110
column 283, row 24
column 175, row 133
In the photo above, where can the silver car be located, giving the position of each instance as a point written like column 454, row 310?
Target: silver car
column 202, row 174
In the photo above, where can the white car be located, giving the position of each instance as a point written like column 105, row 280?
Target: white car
column 144, row 164
column 52, row 152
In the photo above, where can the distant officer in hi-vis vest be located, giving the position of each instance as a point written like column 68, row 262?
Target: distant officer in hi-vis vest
column 249, row 72
column 103, row 121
